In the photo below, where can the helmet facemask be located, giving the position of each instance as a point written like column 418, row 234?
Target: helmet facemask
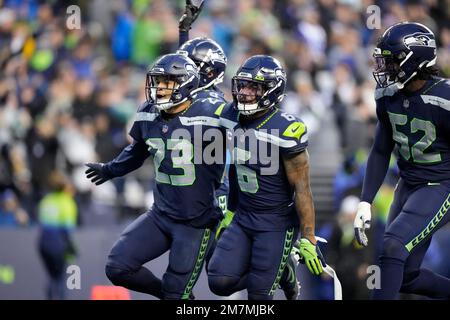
column 404, row 51
column 387, row 70
column 248, row 95
column 207, row 71
column 164, row 90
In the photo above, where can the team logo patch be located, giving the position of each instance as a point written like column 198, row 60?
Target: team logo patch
column 406, row 104
column 165, row 128
column 419, row 39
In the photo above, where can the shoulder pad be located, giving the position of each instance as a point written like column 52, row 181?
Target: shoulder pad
column 292, row 127
column 438, row 94
column 146, row 112
column 385, row 92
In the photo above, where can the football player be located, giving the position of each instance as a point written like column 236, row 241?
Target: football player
column 211, row 61
column 270, row 199
column 184, row 212
column 413, row 110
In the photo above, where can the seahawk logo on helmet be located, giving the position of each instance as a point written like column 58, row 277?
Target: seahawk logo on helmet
column 210, row 59
column 419, row 39
column 259, row 84
column 172, row 68
column 403, row 50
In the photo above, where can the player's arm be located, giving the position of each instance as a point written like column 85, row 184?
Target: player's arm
column 297, row 172
column 191, row 13
column 232, row 201
column 131, row 158
column 377, row 167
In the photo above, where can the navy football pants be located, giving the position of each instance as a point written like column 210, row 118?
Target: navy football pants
column 252, row 260
column 416, row 213
column 147, row 238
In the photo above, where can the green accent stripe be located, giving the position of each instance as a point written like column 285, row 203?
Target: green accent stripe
column 219, row 110
column 286, row 252
column 267, row 119
column 295, row 130
column 431, row 225
column 198, row 265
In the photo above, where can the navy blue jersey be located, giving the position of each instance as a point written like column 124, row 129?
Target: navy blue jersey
column 265, row 197
column 184, row 183
column 419, row 124
column 214, row 95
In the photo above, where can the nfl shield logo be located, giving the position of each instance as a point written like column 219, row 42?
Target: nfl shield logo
column 165, row 128
column 405, row 104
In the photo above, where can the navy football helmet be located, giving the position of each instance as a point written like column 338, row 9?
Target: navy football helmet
column 178, row 69
column 259, row 84
column 402, row 51
column 210, row 59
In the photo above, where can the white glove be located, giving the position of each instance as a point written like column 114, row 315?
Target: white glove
column 362, row 222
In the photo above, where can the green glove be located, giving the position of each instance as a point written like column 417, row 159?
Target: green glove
column 311, row 256
column 227, row 218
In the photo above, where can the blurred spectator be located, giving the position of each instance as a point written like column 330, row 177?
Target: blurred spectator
column 11, row 214
column 349, row 178
column 305, row 102
column 57, row 218
column 348, row 258
column 121, row 36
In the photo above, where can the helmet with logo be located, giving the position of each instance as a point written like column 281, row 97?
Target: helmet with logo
column 404, row 50
column 210, row 59
column 176, row 69
column 259, row 84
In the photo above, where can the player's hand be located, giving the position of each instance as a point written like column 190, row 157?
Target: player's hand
column 311, row 255
column 96, row 174
column 224, row 223
column 191, row 12
column 362, row 222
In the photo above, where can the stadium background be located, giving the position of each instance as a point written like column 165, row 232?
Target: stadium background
column 68, row 96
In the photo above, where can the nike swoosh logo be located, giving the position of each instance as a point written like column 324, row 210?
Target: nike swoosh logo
column 295, row 130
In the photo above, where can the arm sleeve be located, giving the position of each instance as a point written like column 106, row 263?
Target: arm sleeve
column 183, row 36
column 379, row 156
column 233, row 195
column 294, row 139
column 131, row 158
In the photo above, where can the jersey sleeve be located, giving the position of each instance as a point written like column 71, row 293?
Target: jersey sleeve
column 294, row 136
column 379, row 156
column 141, row 115
column 439, row 98
column 228, row 115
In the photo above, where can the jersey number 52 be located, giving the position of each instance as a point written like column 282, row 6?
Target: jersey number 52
column 417, row 151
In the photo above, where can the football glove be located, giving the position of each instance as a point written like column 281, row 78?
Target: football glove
column 227, row 218
column 310, row 255
column 362, row 222
column 191, row 12
column 96, row 173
